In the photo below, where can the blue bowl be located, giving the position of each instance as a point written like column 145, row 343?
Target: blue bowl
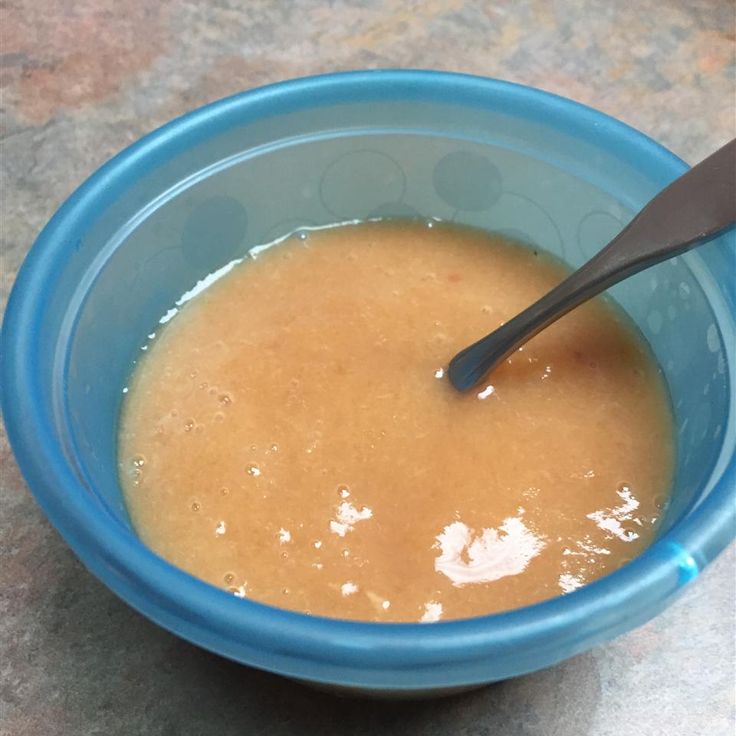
column 205, row 188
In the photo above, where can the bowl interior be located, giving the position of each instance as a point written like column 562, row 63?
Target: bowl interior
column 210, row 198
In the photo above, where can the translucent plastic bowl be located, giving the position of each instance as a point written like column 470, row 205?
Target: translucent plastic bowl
column 207, row 187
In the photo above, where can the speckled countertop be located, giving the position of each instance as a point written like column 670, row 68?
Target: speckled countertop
column 83, row 79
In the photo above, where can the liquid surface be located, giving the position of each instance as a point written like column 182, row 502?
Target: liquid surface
column 291, row 436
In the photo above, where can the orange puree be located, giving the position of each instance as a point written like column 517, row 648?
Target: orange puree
column 290, row 435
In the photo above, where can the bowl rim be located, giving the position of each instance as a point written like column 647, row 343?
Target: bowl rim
column 288, row 642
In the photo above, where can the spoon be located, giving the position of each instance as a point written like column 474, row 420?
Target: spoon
column 689, row 212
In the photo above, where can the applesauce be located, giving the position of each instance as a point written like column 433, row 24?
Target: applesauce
column 290, row 434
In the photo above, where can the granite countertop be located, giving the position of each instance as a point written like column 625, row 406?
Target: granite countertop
column 82, row 79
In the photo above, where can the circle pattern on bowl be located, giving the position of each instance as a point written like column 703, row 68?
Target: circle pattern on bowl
column 221, row 222
column 371, row 177
column 467, row 181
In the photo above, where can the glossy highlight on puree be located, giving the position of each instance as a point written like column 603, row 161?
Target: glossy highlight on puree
column 290, row 434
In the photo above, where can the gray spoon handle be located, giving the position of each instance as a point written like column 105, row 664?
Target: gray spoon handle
column 689, row 212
